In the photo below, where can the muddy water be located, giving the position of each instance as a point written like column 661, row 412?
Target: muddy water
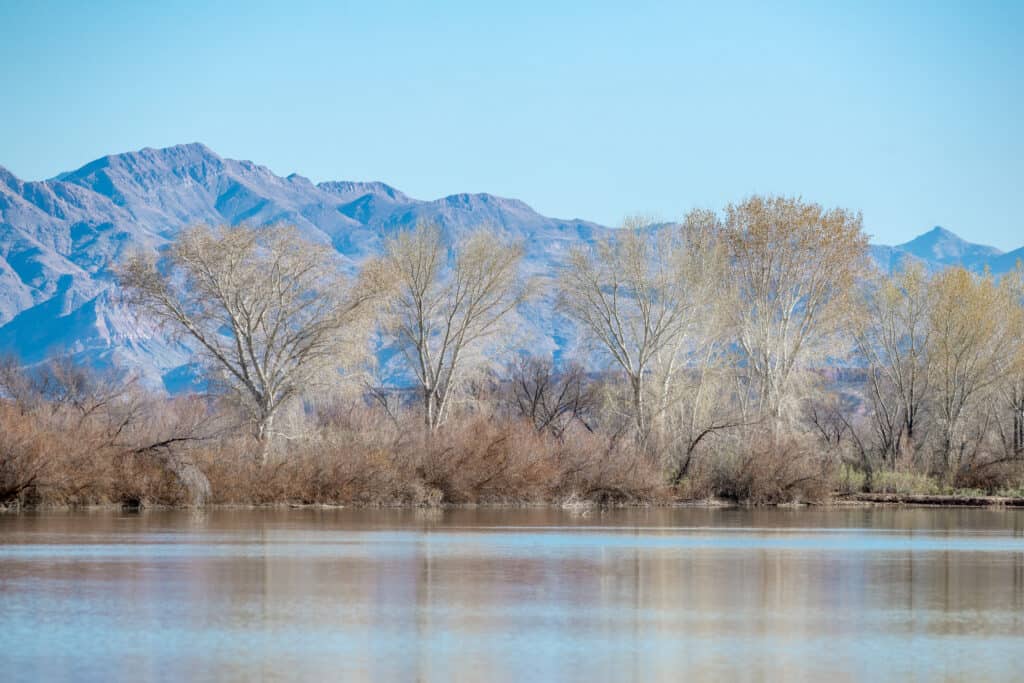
column 513, row 595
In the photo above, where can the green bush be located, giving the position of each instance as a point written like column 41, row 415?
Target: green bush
column 850, row 480
column 910, row 483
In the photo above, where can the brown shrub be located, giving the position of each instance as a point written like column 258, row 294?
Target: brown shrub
column 55, row 458
column 991, row 476
column 366, row 461
column 762, row 470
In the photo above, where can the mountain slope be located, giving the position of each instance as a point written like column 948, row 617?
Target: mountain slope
column 940, row 248
column 60, row 238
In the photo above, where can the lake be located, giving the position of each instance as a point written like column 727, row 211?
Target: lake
column 836, row 594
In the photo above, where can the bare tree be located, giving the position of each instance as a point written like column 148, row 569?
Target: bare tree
column 1015, row 398
column 638, row 297
column 893, row 336
column 1012, row 386
column 61, row 383
column 551, row 400
column 448, row 305
column 272, row 315
column 796, row 267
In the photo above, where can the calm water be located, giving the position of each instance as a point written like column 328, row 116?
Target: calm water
column 513, row 595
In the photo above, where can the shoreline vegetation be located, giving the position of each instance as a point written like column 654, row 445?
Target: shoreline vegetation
column 865, row 500
column 752, row 356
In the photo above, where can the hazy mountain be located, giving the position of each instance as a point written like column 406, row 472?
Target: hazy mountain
column 59, row 238
column 1008, row 261
column 939, row 248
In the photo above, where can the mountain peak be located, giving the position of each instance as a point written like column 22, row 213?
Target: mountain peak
column 184, row 149
column 175, row 156
column 934, row 236
column 484, row 200
column 946, row 247
column 939, row 231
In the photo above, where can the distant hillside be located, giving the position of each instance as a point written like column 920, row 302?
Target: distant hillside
column 939, row 248
column 58, row 239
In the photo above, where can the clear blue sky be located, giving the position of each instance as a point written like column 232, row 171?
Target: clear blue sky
column 911, row 112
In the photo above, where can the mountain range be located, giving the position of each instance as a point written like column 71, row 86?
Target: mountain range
column 60, row 237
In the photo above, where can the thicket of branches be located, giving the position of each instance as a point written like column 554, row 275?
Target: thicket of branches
column 752, row 354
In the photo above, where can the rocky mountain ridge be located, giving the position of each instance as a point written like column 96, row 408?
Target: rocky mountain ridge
column 60, row 237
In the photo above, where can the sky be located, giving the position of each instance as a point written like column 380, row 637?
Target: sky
column 910, row 112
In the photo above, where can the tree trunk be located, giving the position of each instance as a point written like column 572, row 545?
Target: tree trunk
column 638, row 407
column 1018, row 422
column 264, row 426
column 947, row 452
column 428, row 410
column 191, row 477
column 431, row 410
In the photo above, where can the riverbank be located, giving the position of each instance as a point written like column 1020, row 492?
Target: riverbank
column 966, row 500
column 942, row 500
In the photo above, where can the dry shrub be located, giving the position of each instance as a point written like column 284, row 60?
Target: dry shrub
column 762, row 470
column 71, row 437
column 511, row 462
column 609, row 470
column 80, row 445
column 487, row 461
column 699, row 483
column 310, row 473
column 991, row 476
column 365, row 459
column 59, row 459
column 24, row 463
column 904, row 481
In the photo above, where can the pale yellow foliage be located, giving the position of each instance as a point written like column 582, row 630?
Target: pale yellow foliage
column 975, row 344
column 795, row 267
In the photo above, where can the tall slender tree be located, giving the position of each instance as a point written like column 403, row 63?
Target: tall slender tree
column 448, row 305
column 974, row 346
column 796, row 267
column 893, row 336
column 640, row 298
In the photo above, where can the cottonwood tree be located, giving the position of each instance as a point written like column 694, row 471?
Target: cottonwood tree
column 974, row 346
column 448, row 305
column 697, row 402
column 893, row 334
column 639, row 296
column 796, row 267
column 1012, row 386
column 271, row 313
column 1013, row 438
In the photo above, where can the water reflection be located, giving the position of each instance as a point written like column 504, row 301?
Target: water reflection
column 847, row 594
